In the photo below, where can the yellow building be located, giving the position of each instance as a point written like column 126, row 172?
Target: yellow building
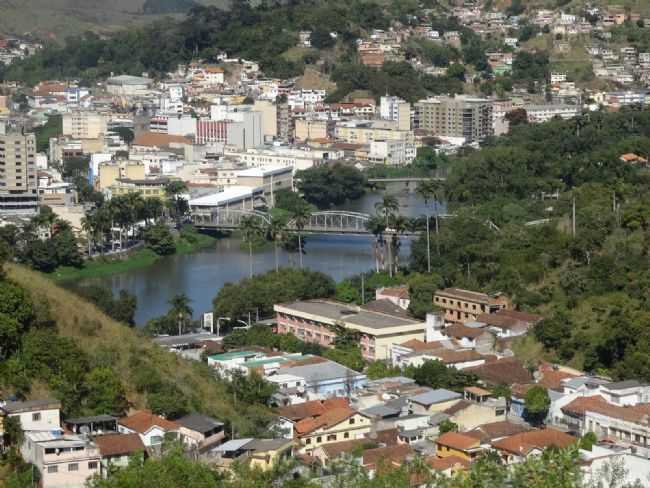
column 459, row 445
column 84, row 125
column 266, row 453
column 109, row 173
column 336, row 425
column 465, row 306
column 148, row 188
column 310, row 129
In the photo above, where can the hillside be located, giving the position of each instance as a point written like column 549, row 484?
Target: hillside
column 56, row 19
column 132, row 356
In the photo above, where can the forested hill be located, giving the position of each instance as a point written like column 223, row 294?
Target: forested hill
column 263, row 33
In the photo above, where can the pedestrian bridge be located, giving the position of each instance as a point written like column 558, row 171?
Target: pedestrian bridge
column 321, row 222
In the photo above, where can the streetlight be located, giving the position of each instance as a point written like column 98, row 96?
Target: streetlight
column 219, row 324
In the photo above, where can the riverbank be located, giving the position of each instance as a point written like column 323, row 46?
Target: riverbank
column 142, row 258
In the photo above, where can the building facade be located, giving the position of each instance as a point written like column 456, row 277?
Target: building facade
column 458, row 117
column 18, row 182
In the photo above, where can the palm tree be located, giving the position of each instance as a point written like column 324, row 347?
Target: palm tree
column 177, row 205
column 377, row 227
column 388, row 207
column 301, row 214
column 250, row 229
column 180, row 309
column 398, row 225
column 275, row 230
column 431, row 190
column 89, row 226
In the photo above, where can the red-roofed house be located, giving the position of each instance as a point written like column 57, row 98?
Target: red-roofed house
column 150, row 427
column 335, row 425
column 516, row 448
column 399, row 295
column 116, row 449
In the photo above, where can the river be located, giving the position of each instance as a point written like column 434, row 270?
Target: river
column 200, row 275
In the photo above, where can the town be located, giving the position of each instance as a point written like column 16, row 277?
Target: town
column 328, row 244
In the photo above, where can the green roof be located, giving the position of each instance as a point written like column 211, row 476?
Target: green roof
column 227, row 356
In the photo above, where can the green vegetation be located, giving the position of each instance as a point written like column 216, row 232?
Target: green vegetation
column 52, row 128
column 59, row 344
column 537, row 403
column 327, row 186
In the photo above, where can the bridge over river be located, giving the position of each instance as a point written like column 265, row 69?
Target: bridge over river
column 321, row 222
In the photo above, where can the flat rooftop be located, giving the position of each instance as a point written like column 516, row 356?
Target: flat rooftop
column 349, row 314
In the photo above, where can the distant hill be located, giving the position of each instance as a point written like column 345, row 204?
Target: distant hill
column 56, row 19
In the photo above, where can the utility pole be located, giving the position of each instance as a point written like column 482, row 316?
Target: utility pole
column 428, row 247
column 573, row 217
column 363, row 289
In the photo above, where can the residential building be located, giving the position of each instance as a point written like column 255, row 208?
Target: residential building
column 267, row 453
column 391, row 152
column 200, row 432
column 84, row 125
column 94, row 425
column 458, row 117
column 543, row 113
column 465, row 306
column 323, row 378
column 65, row 461
column 396, row 109
column 18, row 181
column 150, row 427
column 433, row 401
column 469, row 415
column 309, row 129
column 110, row 172
column 458, row 445
column 399, row 295
column 509, row 323
column 147, row 187
column 518, row 447
column 365, row 132
column 299, row 158
column 316, row 321
column 34, row 415
column 269, row 113
column 335, row 425
column 117, row 449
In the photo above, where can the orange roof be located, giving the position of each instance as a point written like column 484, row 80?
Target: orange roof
column 396, row 291
column 419, row 346
column 311, row 409
column 502, row 372
column 460, row 442
column 118, row 444
column 449, row 462
column 155, row 139
column 535, row 439
column 631, row 157
column 329, row 419
column 214, row 69
column 578, row 407
column 337, row 448
column 496, row 430
column 143, row 420
column 391, row 455
column 552, row 378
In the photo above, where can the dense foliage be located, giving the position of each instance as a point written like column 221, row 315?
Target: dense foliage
column 327, row 186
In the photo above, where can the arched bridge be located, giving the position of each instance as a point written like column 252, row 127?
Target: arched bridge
column 321, row 222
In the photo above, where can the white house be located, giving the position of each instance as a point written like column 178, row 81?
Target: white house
column 151, row 428
column 35, row 415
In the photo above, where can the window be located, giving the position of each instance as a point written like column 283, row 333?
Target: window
column 92, row 465
column 319, row 439
column 331, row 437
column 308, row 441
column 352, row 420
column 52, row 469
column 346, row 435
column 73, row 467
column 36, row 417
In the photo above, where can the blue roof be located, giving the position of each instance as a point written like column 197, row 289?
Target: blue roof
column 435, row 396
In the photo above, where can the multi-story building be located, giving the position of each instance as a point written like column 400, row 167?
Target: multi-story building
column 543, row 113
column 109, row 172
column 148, row 187
column 271, row 179
column 320, row 321
column 18, row 182
column 459, row 117
column 65, row 461
column 297, row 158
column 394, row 153
column 84, row 125
column 364, row 132
column 465, row 305
column 309, row 129
column 394, row 108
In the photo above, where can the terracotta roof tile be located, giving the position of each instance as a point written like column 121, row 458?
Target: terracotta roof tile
column 335, row 449
column 118, row 444
column 502, row 372
column 330, row 418
column 458, row 331
column 457, row 441
column 449, row 462
column 496, row 430
column 391, row 455
column 312, row 408
column 639, row 413
column 144, row 420
column 155, row 139
column 387, row 437
column 540, row 439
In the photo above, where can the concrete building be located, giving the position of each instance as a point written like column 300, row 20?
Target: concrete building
column 394, row 108
column 460, row 116
column 296, row 158
column 18, row 182
column 365, row 132
column 65, row 461
column 269, row 117
column 126, row 85
column 392, row 153
column 146, row 187
column 34, row 415
column 309, row 129
column 465, row 306
column 316, row 321
column 150, row 427
column 110, row 172
column 543, row 113
column 84, row 125
column 269, row 178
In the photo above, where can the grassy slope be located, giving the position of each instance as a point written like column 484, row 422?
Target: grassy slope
column 57, row 19
column 102, row 336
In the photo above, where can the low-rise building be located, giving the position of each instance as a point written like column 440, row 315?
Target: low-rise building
column 458, row 445
column 465, row 306
column 34, row 415
column 150, row 427
column 433, row 401
column 200, row 432
column 335, row 425
column 518, row 447
column 318, row 321
column 117, row 449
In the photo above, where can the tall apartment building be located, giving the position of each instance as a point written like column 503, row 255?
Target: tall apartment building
column 18, row 182
column 84, row 125
column 461, row 116
column 394, row 108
